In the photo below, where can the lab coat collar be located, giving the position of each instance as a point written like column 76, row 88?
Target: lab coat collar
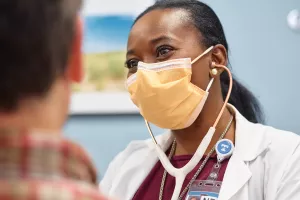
column 250, row 141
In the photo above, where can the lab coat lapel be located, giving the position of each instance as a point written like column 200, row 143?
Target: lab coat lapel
column 132, row 176
column 237, row 172
column 249, row 143
column 135, row 181
column 236, row 176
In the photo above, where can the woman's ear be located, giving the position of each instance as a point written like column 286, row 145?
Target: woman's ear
column 219, row 57
column 75, row 65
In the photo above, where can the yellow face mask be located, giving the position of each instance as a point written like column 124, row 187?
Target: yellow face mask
column 164, row 94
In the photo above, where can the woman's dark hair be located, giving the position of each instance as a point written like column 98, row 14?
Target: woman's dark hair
column 210, row 27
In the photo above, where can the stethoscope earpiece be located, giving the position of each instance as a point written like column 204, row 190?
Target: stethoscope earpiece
column 213, row 65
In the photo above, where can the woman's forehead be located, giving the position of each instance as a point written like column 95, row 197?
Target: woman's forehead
column 161, row 22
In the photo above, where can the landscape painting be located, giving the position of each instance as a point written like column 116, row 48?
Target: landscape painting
column 107, row 25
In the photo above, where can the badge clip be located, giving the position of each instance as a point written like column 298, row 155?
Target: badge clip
column 224, row 149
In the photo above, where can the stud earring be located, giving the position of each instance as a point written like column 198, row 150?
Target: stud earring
column 214, row 72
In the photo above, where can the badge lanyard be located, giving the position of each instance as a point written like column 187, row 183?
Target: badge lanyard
column 209, row 189
column 185, row 190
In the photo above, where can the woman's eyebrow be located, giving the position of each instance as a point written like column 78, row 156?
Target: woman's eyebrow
column 160, row 39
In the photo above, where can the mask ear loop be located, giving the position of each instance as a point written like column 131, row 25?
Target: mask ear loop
column 203, row 54
column 228, row 93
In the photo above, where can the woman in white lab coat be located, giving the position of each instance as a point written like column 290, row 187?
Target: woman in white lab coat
column 177, row 51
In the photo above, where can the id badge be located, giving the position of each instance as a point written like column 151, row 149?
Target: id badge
column 204, row 190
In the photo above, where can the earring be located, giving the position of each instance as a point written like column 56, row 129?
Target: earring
column 214, row 72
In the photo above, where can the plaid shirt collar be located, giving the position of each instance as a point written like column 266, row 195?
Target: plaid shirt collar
column 43, row 156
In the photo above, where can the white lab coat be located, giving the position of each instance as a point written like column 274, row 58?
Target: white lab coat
column 265, row 165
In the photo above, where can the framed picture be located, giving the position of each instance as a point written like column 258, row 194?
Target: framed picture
column 107, row 25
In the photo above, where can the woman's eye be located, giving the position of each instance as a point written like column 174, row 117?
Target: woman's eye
column 131, row 64
column 163, row 51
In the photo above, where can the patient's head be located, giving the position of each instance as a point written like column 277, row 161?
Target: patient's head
column 40, row 43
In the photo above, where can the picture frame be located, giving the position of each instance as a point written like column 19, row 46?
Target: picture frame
column 106, row 30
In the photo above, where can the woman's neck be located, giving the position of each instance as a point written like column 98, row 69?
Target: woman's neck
column 188, row 140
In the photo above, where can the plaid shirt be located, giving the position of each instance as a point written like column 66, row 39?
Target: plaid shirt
column 44, row 167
